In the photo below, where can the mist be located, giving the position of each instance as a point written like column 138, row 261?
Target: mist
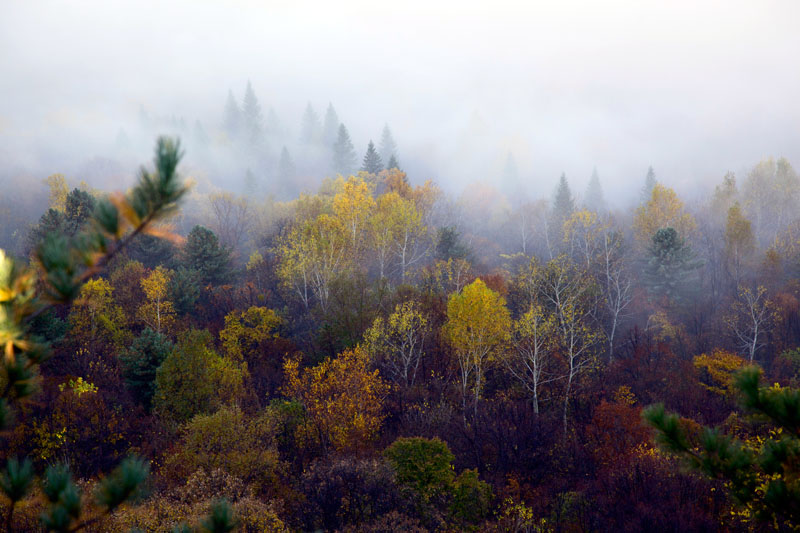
column 692, row 88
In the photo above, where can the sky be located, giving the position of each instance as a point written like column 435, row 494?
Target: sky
column 693, row 88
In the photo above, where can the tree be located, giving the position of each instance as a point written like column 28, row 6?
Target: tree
column 193, row 379
column 388, row 148
column 184, row 289
column 253, row 120
column 534, row 351
column 245, row 330
column 615, row 282
column 725, row 195
column 310, row 128
column 232, row 218
column 342, row 397
column 594, row 199
column 393, row 163
column 158, row 312
column 761, row 474
column 141, row 360
column 58, row 191
column 344, row 154
column 477, row 327
column 424, row 466
column 563, row 201
column 203, row 254
column 740, row 243
column 286, row 169
column 233, row 117
column 330, row 126
column 771, row 195
column 396, row 233
column 670, row 263
column 663, row 209
column 750, row 318
column 65, row 267
column 397, row 343
column 95, row 320
column 649, row 184
column 372, row 161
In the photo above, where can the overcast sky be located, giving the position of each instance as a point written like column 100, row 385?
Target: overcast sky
column 694, row 88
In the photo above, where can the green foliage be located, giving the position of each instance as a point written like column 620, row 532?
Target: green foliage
column 449, row 244
column 372, row 161
column 203, row 254
column 122, row 484
column 221, row 518
column 194, row 379
column 344, row 154
column 184, row 289
column 472, row 498
column 763, row 474
column 423, row 465
column 16, row 479
column 140, row 362
column 671, row 261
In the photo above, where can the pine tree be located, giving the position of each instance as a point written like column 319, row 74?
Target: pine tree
column 595, row 200
column 140, row 362
column 670, row 264
column 253, row 120
column 233, row 117
column 649, row 184
column 563, row 202
column 344, row 154
column 388, row 146
column 310, row 130
column 286, row 168
column 393, row 163
column 204, row 254
column 372, row 161
column 330, row 126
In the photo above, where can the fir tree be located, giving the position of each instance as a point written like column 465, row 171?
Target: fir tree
column 393, row 163
column 204, row 254
column 140, row 362
column 330, row 126
column 595, row 200
column 388, row 146
column 670, row 264
column 286, row 168
column 253, row 120
column 344, row 154
column 372, row 161
column 563, row 201
column 649, row 184
column 310, row 130
column 233, row 117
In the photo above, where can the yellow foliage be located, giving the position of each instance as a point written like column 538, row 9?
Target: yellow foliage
column 719, row 368
column 245, row 329
column 342, row 397
column 58, row 191
column 664, row 209
column 157, row 312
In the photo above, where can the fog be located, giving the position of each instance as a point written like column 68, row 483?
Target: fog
column 692, row 88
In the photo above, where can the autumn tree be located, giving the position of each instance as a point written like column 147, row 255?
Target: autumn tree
column 532, row 357
column 740, row 243
column 372, row 160
column 232, row 218
column 352, row 206
column 59, row 190
column 157, row 312
column 342, row 398
column 750, row 319
column 95, row 320
column 245, row 330
column 771, row 196
column 397, row 343
column 663, row 209
column 397, row 233
column 477, row 327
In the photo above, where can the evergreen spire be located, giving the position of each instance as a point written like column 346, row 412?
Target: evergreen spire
column 344, row 154
column 393, row 163
column 330, row 126
column 310, row 131
column 595, row 200
column 286, row 168
column 233, row 117
column 253, row 120
column 372, row 161
column 563, row 202
column 388, row 146
column 649, row 184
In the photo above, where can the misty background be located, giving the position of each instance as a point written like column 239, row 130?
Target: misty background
column 692, row 88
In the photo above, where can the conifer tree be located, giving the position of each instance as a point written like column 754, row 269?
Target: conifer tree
column 393, row 163
column 310, row 129
column 344, row 154
column 286, row 168
column 563, row 202
column 388, row 146
column 670, row 263
column 253, row 120
column 595, row 200
column 233, row 117
column 372, row 161
column 204, row 254
column 649, row 184
column 330, row 126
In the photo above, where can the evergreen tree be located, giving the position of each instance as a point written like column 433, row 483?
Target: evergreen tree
column 330, row 126
column 140, row 362
column 310, row 130
column 78, row 208
column 152, row 251
column 253, row 120
column 449, row 244
column 393, row 163
column 563, row 201
column 670, row 264
column 595, row 200
column 372, row 161
column 388, row 146
column 250, row 184
column 286, row 168
column 184, row 289
column 204, row 254
column 233, row 117
column 649, row 184
column 344, row 154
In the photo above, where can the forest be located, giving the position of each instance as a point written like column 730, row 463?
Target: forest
column 378, row 355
